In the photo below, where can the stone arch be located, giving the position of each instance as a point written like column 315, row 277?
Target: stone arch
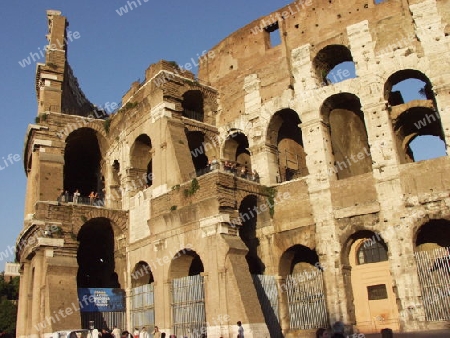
column 368, row 281
column 187, row 263
column 302, row 286
column 327, row 59
column 84, row 165
column 141, row 274
column 141, row 164
column 347, row 134
column 94, row 124
column 142, row 302
column 96, row 255
column 394, row 98
column 417, row 121
column 285, row 137
column 236, row 149
column 119, row 222
column 413, row 123
column 298, row 258
column 431, row 234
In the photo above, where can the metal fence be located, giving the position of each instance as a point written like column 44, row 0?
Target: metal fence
column 103, row 320
column 267, row 291
column 434, row 276
column 306, row 300
column 143, row 307
column 188, row 306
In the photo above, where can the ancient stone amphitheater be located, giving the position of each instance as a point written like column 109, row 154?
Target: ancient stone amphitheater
column 339, row 221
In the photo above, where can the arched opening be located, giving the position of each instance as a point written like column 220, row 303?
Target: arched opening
column 407, row 85
column 347, row 135
column 247, row 232
column 82, row 162
column 285, row 134
column 142, row 297
column 333, row 64
column 374, row 302
column 236, row 153
column 432, row 245
column 188, row 295
column 414, row 128
column 95, row 255
column 193, row 105
column 433, row 234
column 96, row 276
column 300, row 267
column 141, row 162
column 200, row 149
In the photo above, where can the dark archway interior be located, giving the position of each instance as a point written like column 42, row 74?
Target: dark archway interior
column 141, row 160
column 196, row 266
column 328, row 58
column 196, row 141
column 236, row 149
column 82, row 162
column 348, row 135
column 149, row 173
column 435, row 231
column 298, row 255
column 186, row 263
column 285, row 133
column 247, row 232
column 95, row 255
column 193, row 105
column 141, row 275
column 243, row 145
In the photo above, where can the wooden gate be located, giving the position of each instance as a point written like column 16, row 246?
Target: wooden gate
column 306, row 300
column 433, row 268
column 267, row 291
column 188, row 306
column 143, row 307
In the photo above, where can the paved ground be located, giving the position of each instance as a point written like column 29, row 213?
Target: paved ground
column 428, row 334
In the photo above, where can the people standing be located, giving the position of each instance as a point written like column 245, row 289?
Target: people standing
column 136, row 333
column 66, row 196
column 92, row 197
column 76, row 194
column 240, row 330
column 156, row 333
column 143, row 333
column 115, row 332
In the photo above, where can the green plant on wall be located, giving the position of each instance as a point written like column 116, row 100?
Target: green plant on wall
column 173, row 208
column 192, row 189
column 271, row 194
column 107, row 125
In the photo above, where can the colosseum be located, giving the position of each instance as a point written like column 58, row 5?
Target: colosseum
column 265, row 189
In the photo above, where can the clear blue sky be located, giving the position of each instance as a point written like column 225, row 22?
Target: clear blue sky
column 111, row 53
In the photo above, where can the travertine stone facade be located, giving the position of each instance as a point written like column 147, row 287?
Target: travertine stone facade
column 337, row 155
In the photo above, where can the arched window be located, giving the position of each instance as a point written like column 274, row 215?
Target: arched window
column 372, row 252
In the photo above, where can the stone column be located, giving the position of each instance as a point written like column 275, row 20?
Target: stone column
column 23, row 319
column 36, row 313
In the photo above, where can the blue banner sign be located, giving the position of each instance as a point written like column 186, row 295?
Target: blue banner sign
column 101, row 300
